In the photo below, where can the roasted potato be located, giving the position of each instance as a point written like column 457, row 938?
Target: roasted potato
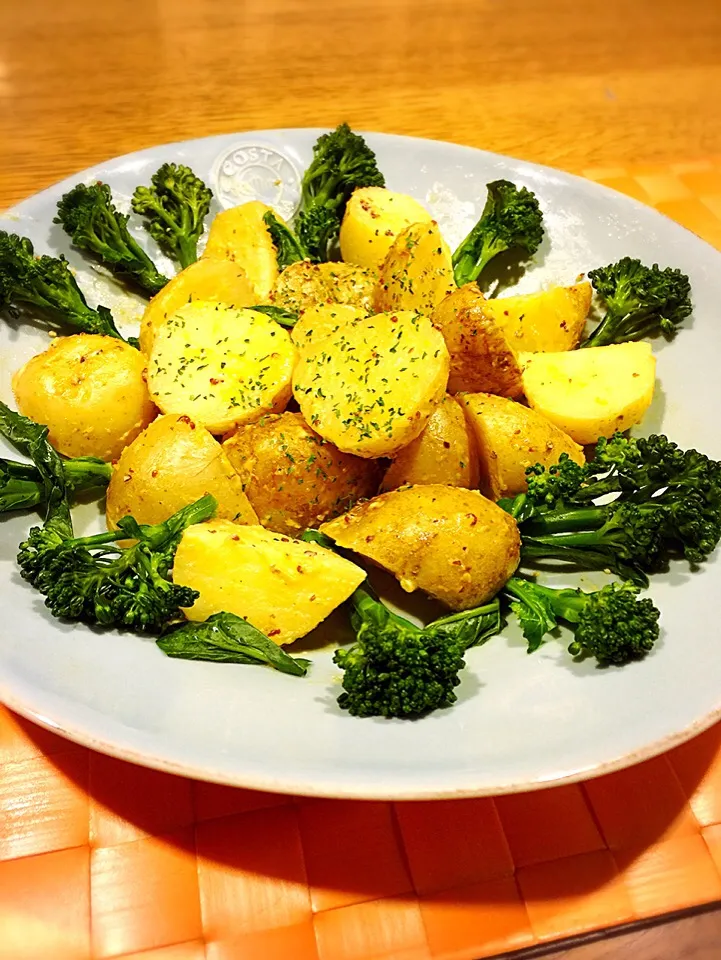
column 220, row 366
column 593, row 392
column 317, row 323
column 510, row 438
column 206, row 279
column 374, row 216
column 371, row 387
column 90, row 391
column 171, row 464
column 453, row 544
column 282, row 587
column 482, row 360
column 550, row 320
column 292, row 477
column 417, row 272
column 444, row 453
column 240, row 235
column 303, row 285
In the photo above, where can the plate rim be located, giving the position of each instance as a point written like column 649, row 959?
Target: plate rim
column 325, row 787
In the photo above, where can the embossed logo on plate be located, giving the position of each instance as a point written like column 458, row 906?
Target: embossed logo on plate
column 256, row 172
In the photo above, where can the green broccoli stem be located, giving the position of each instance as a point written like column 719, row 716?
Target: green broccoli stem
column 622, row 323
column 185, row 247
column 577, row 549
column 468, row 262
column 84, row 473
column 565, row 604
column 22, row 486
column 567, row 520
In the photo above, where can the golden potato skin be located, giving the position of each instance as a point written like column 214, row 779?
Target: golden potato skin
column 482, row 360
column 452, row 543
column 89, row 391
column 283, row 587
column 444, row 453
column 417, row 272
column 222, row 281
column 317, row 323
column 303, row 285
column 172, row 463
column 550, row 320
column 239, row 234
column 292, row 477
column 593, row 392
column 509, row 438
column 374, row 216
column 371, row 387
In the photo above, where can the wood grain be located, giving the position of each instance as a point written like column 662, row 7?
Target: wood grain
column 550, row 81
column 608, row 82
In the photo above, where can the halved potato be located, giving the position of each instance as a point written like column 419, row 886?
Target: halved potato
column 593, row 392
column 509, row 438
column 454, row 544
column 171, row 464
column 223, row 281
column 417, row 272
column 292, row 477
column 550, row 320
column 282, row 587
column 221, row 366
column 317, row 323
column 444, row 453
column 371, row 387
column 90, row 392
column 239, row 234
column 374, row 216
column 303, row 285
column 482, row 360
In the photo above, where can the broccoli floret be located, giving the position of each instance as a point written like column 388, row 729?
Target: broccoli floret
column 511, row 220
column 342, row 161
column 289, row 248
column 175, row 207
column 664, row 502
column 91, row 220
column 395, row 669
column 640, row 302
column 47, row 284
column 92, row 580
column 610, row 624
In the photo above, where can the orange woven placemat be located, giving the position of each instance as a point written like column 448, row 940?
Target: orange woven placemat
column 100, row 858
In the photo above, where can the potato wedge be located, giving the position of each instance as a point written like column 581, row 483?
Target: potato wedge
column 371, row 387
column 509, row 438
column 89, row 391
column 453, row 544
column 444, row 453
column 417, row 272
column 317, row 323
column 282, row 587
column 171, row 464
column 550, row 320
column 292, row 477
column 482, row 360
column 222, row 281
column 374, row 216
column 593, row 392
column 221, row 366
column 239, row 234
column 303, row 285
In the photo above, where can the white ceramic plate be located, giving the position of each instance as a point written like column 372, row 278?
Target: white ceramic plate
column 522, row 721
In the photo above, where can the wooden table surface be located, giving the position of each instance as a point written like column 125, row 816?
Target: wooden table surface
column 572, row 85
